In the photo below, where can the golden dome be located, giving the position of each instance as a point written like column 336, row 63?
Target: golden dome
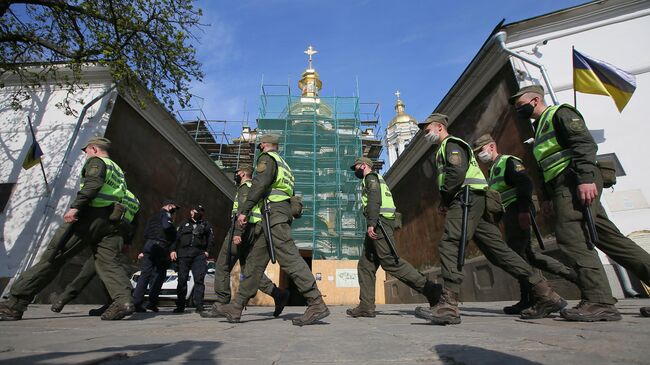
column 310, row 83
column 401, row 116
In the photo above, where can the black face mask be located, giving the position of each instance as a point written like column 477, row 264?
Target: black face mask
column 237, row 179
column 525, row 111
column 172, row 211
column 198, row 216
column 358, row 174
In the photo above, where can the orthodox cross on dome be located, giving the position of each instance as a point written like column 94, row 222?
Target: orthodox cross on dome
column 310, row 52
column 397, row 93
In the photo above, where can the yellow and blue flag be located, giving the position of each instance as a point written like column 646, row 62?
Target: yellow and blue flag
column 34, row 154
column 592, row 76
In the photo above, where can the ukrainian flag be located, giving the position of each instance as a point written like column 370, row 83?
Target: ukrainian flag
column 33, row 157
column 592, row 76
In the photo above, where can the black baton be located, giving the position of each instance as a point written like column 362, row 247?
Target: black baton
column 229, row 249
column 591, row 227
column 393, row 251
column 538, row 234
column 266, row 213
column 463, row 234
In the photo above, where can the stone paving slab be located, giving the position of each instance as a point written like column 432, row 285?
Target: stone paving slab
column 395, row 336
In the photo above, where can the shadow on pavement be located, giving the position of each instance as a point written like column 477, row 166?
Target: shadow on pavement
column 461, row 354
column 183, row 352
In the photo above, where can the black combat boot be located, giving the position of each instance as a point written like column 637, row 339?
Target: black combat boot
column 118, row 311
column 526, row 301
column 57, row 306
column 98, row 311
column 362, row 310
column 281, row 298
column 591, row 312
column 199, row 308
column 645, row 311
column 547, row 301
column 444, row 313
column 432, row 292
column 316, row 310
column 10, row 310
column 214, row 312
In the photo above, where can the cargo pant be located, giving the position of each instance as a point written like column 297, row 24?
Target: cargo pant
column 487, row 237
column 92, row 229
column 377, row 253
column 238, row 252
column 571, row 235
column 286, row 252
column 518, row 239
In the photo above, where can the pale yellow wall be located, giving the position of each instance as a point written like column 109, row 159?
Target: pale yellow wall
column 332, row 294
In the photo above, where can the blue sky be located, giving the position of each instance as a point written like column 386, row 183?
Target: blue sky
column 418, row 47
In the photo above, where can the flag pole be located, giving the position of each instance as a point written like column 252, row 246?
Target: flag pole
column 573, row 52
column 40, row 162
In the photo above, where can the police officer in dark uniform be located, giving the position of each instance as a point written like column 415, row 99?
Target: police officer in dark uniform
column 379, row 208
column 90, row 221
column 456, row 168
column 191, row 249
column 509, row 177
column 88, row 272
column 159, row 234
column 565, row 152
column 274, row 182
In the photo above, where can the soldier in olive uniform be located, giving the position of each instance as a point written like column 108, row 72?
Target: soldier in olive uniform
column 89, row 222
column 456, row 167
column 274, row 182
column 242, row 241
column 379, row 208
column 88, row 272
column 566, row 154
column 508, row 176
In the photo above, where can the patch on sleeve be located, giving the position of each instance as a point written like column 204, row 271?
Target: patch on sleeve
column 454, row 157
column 373, row 184
column 261, row 167
column 519, row 167
column 577, row 125
column 93, row 169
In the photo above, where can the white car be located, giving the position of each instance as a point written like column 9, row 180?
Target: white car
column 168, row 290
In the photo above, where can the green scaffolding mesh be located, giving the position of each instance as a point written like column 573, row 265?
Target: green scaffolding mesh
column 320, row 138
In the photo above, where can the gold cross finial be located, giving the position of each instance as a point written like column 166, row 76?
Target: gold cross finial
column 397, row 93
column 310, row 52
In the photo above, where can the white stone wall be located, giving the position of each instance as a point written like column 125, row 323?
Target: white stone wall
column 31, row 215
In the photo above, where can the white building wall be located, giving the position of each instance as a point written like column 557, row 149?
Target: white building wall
column 31, row 216
column 618, row 41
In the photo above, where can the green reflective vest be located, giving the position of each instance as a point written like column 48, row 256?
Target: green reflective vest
column 256, row 212
column 550, row 156
column 132, row 204
column 473, row 177
column 387, row 209
column 282, row 187
column 497, row 180
column 114, row 186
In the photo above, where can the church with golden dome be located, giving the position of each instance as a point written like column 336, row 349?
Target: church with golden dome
column 400, row 131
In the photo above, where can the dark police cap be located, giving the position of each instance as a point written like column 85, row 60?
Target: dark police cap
column 435, row 117
column 537, row 89
column 247, row 168
column 270, row 138
column 199, row 208
column 482, row 141
column 359, row 160
column 170, row 201
column 101, row 142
